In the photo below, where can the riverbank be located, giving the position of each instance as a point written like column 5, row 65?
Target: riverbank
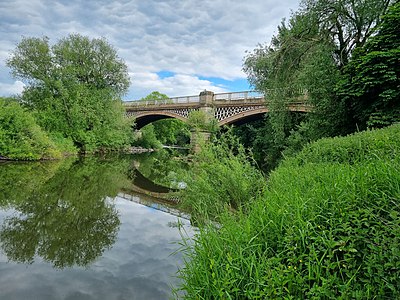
column 326, row 226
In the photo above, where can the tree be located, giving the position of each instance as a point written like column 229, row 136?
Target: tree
column 373, row 76
column 348, row 23
column 74, row 87
column 156, row 96
column 309, row 53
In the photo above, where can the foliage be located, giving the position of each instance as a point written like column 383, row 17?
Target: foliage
column 309, row 53
column 166, row 131
column 201, row 120
column 148, row 138
column 73, row 88
column 373, row 77
column 221, row 177
column 172, row 132
column 156, row 97
column 347, row 23
column 258, row 136
column 21, row 137
column 327, row 227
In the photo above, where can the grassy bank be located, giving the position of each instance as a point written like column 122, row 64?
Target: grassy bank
column 327, row 226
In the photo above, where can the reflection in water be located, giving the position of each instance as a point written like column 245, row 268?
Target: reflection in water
column 162, row 167
column 65, row 219
column 67, row 232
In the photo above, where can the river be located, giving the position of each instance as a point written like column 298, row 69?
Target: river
column 78, row 229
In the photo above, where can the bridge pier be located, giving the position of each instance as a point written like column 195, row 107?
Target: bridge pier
column 197, row 139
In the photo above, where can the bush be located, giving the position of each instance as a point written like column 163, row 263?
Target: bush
column 222, row 177
column 355, row 148
column 20, row 136
column 327, row 227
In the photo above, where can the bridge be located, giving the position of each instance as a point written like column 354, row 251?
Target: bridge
column 226, row 108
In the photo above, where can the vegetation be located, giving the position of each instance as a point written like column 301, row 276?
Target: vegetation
column 199, row 120
column 21, row 137
column 165, row 131
column 326, row 223
column 147, row 138
column 327, row 226
column 156, row 97
column 373, row 75
column 73, row 89
column 319, row 51
column 220, row 178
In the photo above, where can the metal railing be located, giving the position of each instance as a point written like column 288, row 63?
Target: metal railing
column 238, row 96
column 196, row 99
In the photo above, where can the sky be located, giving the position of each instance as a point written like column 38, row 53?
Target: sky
column 176, row 47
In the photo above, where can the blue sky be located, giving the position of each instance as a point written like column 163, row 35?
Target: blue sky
column 176, row 47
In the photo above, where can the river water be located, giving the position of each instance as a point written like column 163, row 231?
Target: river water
column 77, row 229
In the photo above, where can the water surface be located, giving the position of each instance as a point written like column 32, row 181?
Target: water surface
column 67, row 231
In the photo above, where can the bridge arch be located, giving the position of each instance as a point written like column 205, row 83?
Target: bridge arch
column 147, row 117
column 244, row 117
column 228, row 108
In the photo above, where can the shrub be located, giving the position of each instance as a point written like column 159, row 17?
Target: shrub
column 21, row 137
column 222, row 178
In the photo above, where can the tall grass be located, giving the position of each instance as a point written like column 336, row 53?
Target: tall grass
column 326, row 227
column 222, row 178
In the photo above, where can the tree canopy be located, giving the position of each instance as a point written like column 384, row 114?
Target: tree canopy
column 373, row 76
column 310, row 53
column 74, row 87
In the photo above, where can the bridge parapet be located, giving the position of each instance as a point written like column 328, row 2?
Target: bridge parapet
column 233, row 96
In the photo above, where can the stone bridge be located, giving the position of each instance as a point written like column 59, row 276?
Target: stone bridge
column 226, row 108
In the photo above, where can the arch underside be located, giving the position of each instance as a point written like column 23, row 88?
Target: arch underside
column 244, row 117
column 225, row 116
column 143, row 119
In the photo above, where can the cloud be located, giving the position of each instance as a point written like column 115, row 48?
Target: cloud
column 8, row 89
column 173, row 86
column 191, row 38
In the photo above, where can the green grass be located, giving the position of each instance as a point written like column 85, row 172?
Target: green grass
column 326, row 227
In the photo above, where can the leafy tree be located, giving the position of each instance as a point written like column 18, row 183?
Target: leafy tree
column 308, row 54
column 373, row 76
column 74, row 88
column 148, row 138
column 156, row 96
column 348, row 23
column 201, row 120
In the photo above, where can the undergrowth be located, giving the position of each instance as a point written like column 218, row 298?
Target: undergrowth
column 327, row 226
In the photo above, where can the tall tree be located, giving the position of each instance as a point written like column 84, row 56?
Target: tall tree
column 372, row 84
column 348, row 23
column 74, row 87
column 309, row 53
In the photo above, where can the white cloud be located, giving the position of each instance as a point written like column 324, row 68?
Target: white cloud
column 174, row 86
column 9, row 89
column 196, row 38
